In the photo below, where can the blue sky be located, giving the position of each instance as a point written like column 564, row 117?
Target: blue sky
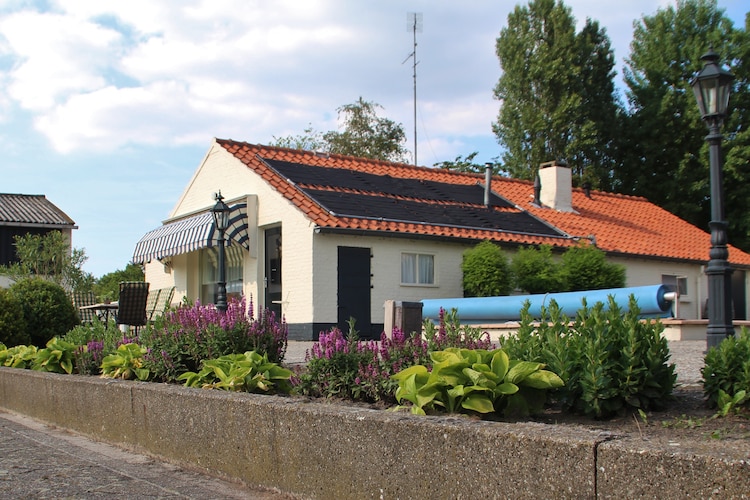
column 107, row 107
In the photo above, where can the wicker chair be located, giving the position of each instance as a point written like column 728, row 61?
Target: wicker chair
column 132, row 304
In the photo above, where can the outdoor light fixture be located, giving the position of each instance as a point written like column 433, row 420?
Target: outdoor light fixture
column 221, row 220
column 711, row 87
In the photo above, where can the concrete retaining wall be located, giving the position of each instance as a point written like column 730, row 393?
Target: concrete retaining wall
column 323, row 450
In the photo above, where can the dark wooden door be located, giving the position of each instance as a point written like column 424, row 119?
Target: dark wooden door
column 354, row 289
column 273, row 270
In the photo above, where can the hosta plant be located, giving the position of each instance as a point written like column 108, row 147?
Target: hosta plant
column 56, row 357
column 20, row 356
column 125, row 363
column 476, row 380
column 249, row 372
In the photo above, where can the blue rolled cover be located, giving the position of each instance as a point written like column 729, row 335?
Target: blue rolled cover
column 651, row 301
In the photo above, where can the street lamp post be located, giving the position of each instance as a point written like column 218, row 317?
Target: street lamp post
column 221, row 220
column 711, row 87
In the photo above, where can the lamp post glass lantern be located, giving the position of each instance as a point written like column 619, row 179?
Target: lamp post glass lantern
column 711, row 88
column 221, row 220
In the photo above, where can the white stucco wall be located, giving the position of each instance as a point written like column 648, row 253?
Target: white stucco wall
column 386, row 270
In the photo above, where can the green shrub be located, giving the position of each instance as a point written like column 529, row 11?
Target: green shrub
column 20, row 356
column 478, row 381
column 56, row 357
column 47, row 310
column 585, row 267
column 610, row 360
column 249, row 372
column 486, row 271
column 536, row 271
column 13, row 329
column 93, row 342
column 727, row 368
column 181, row 339
column 345, row 367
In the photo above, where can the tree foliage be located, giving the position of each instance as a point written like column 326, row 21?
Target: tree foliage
column 363, row 134
column 557, row 93
column 49, row 257
column 486, row 271
column 665, row 156
column 585, row 267
column 46, row 308
column 108, row 286
column 466, row 164
column 536, row 271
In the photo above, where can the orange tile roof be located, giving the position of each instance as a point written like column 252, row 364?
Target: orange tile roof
column 618, row 224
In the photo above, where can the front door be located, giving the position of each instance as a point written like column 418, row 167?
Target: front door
column 273, row 270
column 354, row 289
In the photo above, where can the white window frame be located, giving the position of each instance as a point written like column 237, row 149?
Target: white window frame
column 422, row 272
column 678, row 281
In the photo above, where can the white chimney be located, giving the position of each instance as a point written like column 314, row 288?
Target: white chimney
column 557, row 186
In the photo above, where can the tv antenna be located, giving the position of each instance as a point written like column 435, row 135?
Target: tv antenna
column 414, row 24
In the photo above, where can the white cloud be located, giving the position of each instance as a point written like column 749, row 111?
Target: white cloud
column 56, row 55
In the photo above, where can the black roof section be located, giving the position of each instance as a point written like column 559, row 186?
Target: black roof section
column 429, row 202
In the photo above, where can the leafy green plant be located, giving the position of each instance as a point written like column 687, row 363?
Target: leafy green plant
column 610, row 360
column 727, row 368
column 249, row 372
column 125, row 363
column 180, row 339
column 449, row 332
column 585, row 267
column 20, row 356
column 536, row 271
column 13, row 329
column 475, row 380
column 47, row 310
column 730, row 404
column 486, row 271
column 57, row 357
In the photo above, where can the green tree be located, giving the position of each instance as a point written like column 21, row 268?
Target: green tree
column 49, row 257
column 363, row 134
column 486, row 271
column 309, row 140
column 536, row 271
column 366, row 135
column 664, row 155
column 557, row 93
column 461, row 164
column 108, row 286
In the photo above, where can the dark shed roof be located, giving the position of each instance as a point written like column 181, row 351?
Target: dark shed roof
column 32, row 210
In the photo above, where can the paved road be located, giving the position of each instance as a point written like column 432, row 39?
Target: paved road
column 40, row 462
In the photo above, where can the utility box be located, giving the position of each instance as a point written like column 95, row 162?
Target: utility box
column 406, row 316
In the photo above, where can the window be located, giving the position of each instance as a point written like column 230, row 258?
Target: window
column 677, row 284
column 210, row 273
column 417, row 269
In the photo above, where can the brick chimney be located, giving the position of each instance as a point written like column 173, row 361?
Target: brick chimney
column 557, row 186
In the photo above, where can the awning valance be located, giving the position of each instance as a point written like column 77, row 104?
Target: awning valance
column 191, row 234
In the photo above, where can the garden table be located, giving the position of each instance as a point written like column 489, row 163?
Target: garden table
column 103, row 310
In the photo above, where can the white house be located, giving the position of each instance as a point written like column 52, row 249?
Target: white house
column 321, row 238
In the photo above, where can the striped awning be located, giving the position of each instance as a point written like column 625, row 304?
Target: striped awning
column 191, row 234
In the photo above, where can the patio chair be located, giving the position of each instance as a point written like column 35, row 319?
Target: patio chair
column 163, row 303
column 151, row 301
column 132, row 304
column 81, row 299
